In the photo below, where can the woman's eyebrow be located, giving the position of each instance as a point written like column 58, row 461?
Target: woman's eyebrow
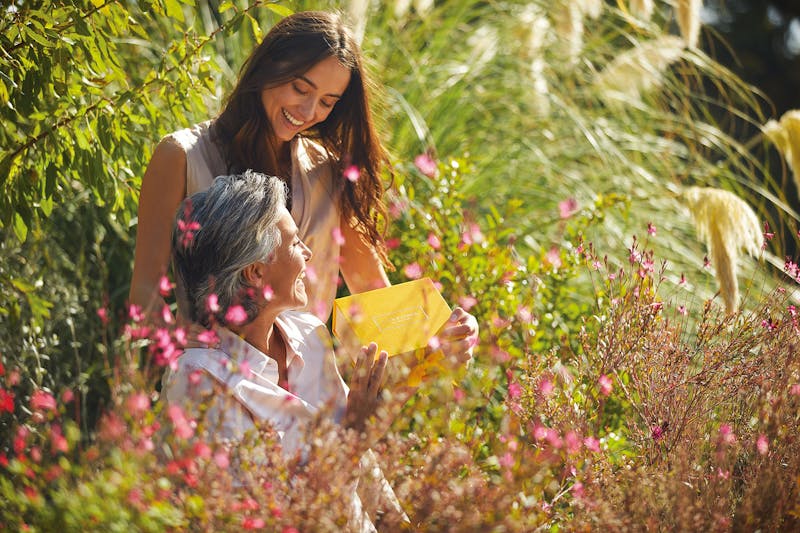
column 314, row 85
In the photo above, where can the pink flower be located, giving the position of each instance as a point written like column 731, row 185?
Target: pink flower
column 499, row 354
column 467, row 302
column 572, row 441
column 795, row 390
column 6, row 401
column 606, row 385
column 209, row 337
column 539, row 432
column 212, row 303
column 567, row 208
column 506, row 460
column 221, row 459
column 657, row 433
column 426, row 165
column 138, row 403
column 253, row 523
column 514, row 390
column 592, row 444
column 236, row 315
column 135, row 313
column 166, row 315
column 726, row 435
column 546, row 387
column 352, row 173
column 651, row 229
column 434, row 242
column 43, row 401
column 57, row 441
column 338, row 238
column 459, row 394
column 164, row 286
column 103, row 314
column 434, row 343
column 393, row 243
column 762, row 444
column 682, row 310
column 184, row 428
column 553, row 258
column 201, row 449
column 267, row 293
column 413, row 271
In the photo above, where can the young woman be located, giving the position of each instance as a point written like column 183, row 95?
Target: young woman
column 299, row 111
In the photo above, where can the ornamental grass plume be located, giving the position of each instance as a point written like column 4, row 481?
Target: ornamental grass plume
column 688, row 14
column 727, row 224
column 641, row 9
column 785, row 135
column 639, row 69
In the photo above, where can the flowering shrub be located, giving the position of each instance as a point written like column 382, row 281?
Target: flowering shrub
column 626, row 412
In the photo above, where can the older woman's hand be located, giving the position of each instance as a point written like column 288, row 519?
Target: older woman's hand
column 459, row 336
column 365, row 387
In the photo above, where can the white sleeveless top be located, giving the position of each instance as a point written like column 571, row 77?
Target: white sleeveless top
column 315, row 204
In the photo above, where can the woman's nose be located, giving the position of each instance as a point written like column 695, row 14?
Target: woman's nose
column 306, row 252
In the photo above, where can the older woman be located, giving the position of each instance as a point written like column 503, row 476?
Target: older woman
column 242, row 264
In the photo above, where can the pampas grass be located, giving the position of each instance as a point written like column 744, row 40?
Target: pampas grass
column 688, row 14
column 639, row 69
column 786, row 137
column 641, row 9
column 727, row 224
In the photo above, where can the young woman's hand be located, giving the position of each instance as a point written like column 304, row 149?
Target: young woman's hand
column 365, row 387
column 459, row 336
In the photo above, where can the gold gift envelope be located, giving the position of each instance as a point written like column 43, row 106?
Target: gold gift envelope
column 399, row 319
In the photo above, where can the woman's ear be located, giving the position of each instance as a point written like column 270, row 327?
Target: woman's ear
column 254, row 274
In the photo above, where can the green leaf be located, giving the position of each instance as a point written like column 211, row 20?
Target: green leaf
column 20, row 228
column 280, row 9
column 224, row 6
column 174, row 10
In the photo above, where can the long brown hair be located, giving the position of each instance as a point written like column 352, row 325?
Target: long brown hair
column 292, row 47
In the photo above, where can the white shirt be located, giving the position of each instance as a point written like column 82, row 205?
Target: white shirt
column 250, row 379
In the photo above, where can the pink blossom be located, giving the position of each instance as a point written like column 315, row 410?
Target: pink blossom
column 546, row 387
column 201, row 449
column 506, row 460
column 539, row 432
column 762, row 444
column 103, row 314
column 467, row 302
column 164, row 286
column 137, row 403
column 682, row 281
column 135, row 313
column 396, row 209
column 43, row 401
column 726, row 434
column 208, row 336
column 553, row 438
column 706, row 262
column 553, row 258
column 267, row 293
column 524, row 314
column 426, row 165
column 514, row 390
column 166, row 315
column 393, row 243
column 682, row 310
column 221, row 459
column 337, row 235
column 567, row 208
column 413, row 271
column 606, row 385
column 212, row 303
column 434, row 343
column 651, row 229
column 795, row 390
column 578, row 489
column 57, row 441
column 459, row 394
column 6, row 401
column 236, row 315
column 352, row 173
column 253, row 523
column 500, row 355
column 656, row 433
column 184, row 428
column 434, row 242
column 572, row 441
column 592, row 444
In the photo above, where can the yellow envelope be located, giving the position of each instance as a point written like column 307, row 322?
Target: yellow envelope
column 400, row 319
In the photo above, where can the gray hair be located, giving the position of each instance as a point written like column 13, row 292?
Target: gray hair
column 220, row 231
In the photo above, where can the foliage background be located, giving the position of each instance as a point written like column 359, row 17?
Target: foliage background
column 516, row 112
